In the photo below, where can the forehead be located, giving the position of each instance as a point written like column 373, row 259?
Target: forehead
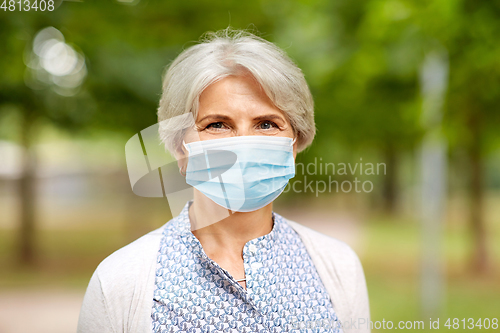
column 235, row 94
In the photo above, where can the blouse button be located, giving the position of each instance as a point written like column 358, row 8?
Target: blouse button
column 252, row 248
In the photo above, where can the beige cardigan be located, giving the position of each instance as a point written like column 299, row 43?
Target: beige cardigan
column 119, row 297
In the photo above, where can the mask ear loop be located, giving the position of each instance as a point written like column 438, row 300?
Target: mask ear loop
column 294, row 139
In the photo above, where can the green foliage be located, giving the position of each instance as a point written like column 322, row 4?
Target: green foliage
column 361, row 59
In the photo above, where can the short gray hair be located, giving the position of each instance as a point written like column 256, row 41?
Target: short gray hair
column 230, row 52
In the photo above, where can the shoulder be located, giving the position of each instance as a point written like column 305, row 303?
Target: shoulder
column 131, row 260
column 328, row 247
column 342, row 274
column 335, row 261
column 120, row 290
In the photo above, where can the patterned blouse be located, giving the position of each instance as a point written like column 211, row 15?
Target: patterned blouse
column 283, row 293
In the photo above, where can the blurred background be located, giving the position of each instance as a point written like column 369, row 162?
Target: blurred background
column 411, row 87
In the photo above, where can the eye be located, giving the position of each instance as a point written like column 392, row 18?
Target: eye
column 267, row 125
column 216, row 125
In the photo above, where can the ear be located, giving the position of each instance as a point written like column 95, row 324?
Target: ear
column 181, row 155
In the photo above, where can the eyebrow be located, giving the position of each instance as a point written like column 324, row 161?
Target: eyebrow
column 215, row 117
column 269, row 116
column 226, row 118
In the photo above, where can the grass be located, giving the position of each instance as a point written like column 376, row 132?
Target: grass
column 392, row 269
column 64, row 258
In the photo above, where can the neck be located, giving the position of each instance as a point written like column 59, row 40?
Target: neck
column 218, row 229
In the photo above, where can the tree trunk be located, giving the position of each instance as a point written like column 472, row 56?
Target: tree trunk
column 480, row 258
column 26, row 241
column 389, row 189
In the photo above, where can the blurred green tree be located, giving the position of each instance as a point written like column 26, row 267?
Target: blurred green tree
column 362, row 60
column 473, row 118
column 124, row 62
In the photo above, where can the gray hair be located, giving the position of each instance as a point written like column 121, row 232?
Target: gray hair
column 230, row 52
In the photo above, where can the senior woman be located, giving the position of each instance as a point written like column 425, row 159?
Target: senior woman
column 227, row 262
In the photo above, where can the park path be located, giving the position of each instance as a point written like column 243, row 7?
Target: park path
column 40, row 311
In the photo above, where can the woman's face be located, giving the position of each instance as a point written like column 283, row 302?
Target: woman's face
column 238, row 106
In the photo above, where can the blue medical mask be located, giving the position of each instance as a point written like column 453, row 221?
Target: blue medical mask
column 241, row 173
